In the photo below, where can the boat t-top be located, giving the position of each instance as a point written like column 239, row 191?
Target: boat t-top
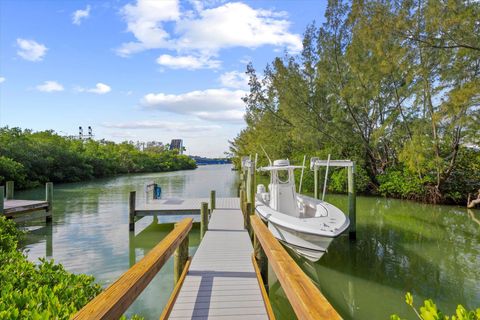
column 305, row 224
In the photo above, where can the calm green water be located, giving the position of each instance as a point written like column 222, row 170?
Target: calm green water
column 432, row 251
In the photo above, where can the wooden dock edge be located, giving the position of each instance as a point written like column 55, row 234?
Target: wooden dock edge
column 266, row 299
column 306, row 299
column 176, row 290
column 115, row 300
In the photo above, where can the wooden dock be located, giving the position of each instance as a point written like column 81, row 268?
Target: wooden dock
column 178, row 206
column 226, row 276
column 221, row 282
column 23, row 210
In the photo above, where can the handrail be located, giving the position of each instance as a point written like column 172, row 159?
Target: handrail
column 307, row 301
column 115, row 300
column 176, row 290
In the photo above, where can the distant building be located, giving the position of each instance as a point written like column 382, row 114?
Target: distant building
column 177, row 144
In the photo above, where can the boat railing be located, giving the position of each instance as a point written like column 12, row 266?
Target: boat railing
column 115, row 300
column 305, row 298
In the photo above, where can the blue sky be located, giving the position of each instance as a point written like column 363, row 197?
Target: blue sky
column 141, row 70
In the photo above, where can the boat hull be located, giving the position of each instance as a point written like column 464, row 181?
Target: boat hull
column 309, row 246
column 308, row 236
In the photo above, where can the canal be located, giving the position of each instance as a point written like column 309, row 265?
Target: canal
column 432, row 251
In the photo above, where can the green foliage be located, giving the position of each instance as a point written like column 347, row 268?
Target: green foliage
column 11, row 170
column 392, row 85
column 403, row 184
column 37, row 291
column 32, row 158
column 429, row 311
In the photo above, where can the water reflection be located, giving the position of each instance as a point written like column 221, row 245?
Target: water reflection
column 432, row 251
column 89, row 233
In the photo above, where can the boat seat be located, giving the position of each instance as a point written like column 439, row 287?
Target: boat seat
column 321, row 211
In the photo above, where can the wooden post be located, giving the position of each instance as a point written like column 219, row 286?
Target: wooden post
column 248, row 209
column 2, row 192
column 203, row 219
column 49, row 199
column 212, row 200
column 131, row 211
column 253, row 190
column 315, row 180
column 352, row 203
column 132, row 259
column 180, row 257
column 242, row 207
column 249, row 185
column 49, row 240
column 10, row 187
column 262, row 260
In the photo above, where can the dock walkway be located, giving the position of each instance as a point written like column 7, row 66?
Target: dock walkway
column 221, row 282
column 178, row 206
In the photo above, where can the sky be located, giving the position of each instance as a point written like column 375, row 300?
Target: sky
column 141, row 70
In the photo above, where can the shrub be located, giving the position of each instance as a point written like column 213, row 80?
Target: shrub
column 42, row 291
column 429, row 311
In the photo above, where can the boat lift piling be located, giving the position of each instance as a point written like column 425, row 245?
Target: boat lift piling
column 316, row 163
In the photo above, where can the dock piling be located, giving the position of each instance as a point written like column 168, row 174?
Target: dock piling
column 180, row 257
column 10, row 187
column 253, row 186
column 131, row 211
column 248, row 210
column 212, row 200
column 242, row 206
column 203, row 219
column 2, row 192
column 352, row 203
column 155, row 186
column 262, row 260
column 49, row 199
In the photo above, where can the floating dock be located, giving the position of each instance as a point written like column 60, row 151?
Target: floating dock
column 178, row 206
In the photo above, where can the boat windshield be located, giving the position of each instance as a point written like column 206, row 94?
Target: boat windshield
column 283, row 176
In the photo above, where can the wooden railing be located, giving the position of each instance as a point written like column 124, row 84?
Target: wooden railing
column 115, row 300
column 307, row 301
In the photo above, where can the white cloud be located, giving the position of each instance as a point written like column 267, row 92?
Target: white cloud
column 31, row 50
column 234, row 79
column 49, row 86
column 144, row 20
column 159, row 124
column 78, row 15
column 2, row 79
column 187, row 62
column 211, row 104
column 100, row 88
column 205, row 31
column 236, row 24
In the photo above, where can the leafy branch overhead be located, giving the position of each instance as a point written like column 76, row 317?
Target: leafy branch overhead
column 393, row 85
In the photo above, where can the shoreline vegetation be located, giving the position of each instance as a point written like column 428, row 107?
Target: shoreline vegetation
column 33, row 158
column 393, row 86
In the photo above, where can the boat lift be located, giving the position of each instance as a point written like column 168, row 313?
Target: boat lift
column 315, row 164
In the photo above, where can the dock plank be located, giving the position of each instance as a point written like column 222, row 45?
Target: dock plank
column 175, row 206
column 12, row 207
column 221, row 282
